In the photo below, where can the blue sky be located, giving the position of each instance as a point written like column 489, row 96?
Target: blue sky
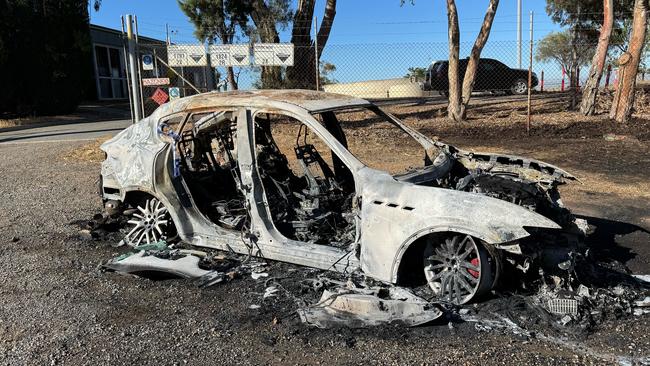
column 357, row 21
column 382, row 35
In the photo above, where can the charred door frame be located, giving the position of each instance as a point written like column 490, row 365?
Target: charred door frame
column 264, row 235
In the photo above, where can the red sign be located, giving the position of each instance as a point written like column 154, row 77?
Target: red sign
column 160, row 97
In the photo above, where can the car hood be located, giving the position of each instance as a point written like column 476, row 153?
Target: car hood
column 524, row 167
column 408, row 208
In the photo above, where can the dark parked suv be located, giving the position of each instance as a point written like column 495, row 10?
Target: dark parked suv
column 491, row 75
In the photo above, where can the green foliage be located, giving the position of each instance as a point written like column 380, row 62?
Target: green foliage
column 586, row 16
column 326, row 69
column 45, row 56
column 224, row 20
column 216, row 19
column 418, row 73
column 556, row 46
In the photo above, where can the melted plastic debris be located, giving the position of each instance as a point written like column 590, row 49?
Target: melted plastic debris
column 367, row 307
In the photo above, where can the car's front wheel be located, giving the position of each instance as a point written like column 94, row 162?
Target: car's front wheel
column 458, row 268
column 519, row 87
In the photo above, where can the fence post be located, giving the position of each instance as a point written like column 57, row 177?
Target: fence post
column 541, row 85
column 609, row 73
column 317, row 61
column 530, row 72
column 126, row 65
column 209, row 78
column 563, row 73
column 137, row 111
column 137, row 60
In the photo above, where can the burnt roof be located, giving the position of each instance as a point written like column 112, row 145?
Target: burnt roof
column 310, row 100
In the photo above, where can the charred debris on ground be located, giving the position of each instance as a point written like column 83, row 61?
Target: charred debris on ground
column 573, row 301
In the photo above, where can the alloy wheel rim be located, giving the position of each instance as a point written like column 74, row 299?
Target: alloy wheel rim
column 520, row 87
column 453, row 269
column 149, row 223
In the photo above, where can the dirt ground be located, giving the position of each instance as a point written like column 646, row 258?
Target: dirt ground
column 57, row 308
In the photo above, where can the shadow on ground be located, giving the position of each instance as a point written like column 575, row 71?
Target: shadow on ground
column 603, row 241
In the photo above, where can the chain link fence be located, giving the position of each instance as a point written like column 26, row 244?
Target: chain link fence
column 387, row 72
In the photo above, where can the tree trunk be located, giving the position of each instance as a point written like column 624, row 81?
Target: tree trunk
column 624, row 97
column 265, row 23
column 303, row 72
column 472, row 64
column 453, row 108
column 232, row 82
column 226, row 36
column 326, row 25
column 590, row 91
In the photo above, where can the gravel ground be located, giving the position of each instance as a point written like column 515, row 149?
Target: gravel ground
column 56, row 308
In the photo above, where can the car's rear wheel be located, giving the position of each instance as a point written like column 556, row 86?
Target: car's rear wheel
column 150, row 222
column 458, row 268
column 519, row 87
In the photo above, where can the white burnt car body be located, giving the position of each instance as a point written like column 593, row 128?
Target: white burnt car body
column 207, row 168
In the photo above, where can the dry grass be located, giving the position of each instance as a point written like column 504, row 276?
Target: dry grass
column 7, row 123
column 88, row 152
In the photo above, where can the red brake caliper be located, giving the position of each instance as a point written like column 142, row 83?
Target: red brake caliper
column 474, row 273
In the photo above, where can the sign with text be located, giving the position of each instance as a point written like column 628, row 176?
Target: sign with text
column 273, row 54
column 187, row 55
column 155, row 81
column 229, row 55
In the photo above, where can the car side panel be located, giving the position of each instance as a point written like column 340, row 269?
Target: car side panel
column 395, row 213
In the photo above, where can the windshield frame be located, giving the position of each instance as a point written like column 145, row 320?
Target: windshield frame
column 429, row 146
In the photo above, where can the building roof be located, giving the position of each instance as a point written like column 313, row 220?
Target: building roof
column 118, row 32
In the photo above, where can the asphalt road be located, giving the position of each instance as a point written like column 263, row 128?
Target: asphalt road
column 62, row 132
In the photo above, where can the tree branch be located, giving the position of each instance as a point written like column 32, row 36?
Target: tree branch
column 326, row 25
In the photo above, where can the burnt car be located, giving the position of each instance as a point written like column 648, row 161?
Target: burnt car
column 213, row 170
column 491, row 76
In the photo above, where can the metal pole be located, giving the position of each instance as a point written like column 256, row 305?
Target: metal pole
column 137, row 60
column 132, row 68
column 155, row 63
column 208, row 74
column 316, row 53
column 519, row 34
column 530, row 72
column 167, row 33
column 126, row 63
column 183, row 79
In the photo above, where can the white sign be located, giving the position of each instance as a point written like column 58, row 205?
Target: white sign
column 147, row 62
column 229, row 55
column 155, row 81
column 273, row 54
column 187, row 55
column 174, row 93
